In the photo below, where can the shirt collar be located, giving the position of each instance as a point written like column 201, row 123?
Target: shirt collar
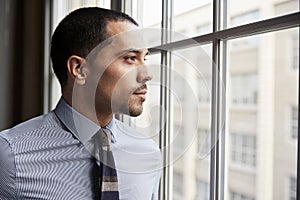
column 113, row 129
column 80, row 126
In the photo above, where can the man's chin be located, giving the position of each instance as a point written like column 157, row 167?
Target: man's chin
column 135, row 107
column 132, row 111
column 135, row 111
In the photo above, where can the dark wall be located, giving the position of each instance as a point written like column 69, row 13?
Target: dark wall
column 21, row 50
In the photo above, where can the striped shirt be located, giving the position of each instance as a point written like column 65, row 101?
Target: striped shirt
column 44, row 158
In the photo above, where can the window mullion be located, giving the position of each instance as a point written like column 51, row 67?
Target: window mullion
column 222, row 101
column 215, row 104
column 165, row 137
column 298, row 157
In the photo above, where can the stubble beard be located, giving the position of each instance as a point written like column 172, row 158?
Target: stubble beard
column 135, row 106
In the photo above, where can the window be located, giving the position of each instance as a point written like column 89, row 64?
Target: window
column 292, row 188
column 178, row 140
column 177, row 185
column 203, row 29
column 240, row 96
column 255, row 11
column 186, row 10
column 204, row 89
column 294, row 122
column 179, row 86
column 295, row 51
column 204, row 145
column 238, row 196
column 243, row 150
column 244, row 18
column 202, row 190
column 256, row 130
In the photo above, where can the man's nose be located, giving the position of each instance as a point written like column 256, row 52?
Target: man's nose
column 143, row 75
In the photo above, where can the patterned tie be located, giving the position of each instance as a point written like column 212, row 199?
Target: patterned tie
column 99, row 147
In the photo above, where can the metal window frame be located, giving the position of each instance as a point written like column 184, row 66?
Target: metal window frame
column 166, row 185
column 47, row 91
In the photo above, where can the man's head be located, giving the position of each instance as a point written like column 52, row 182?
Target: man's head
column 99, row 59
column 80, row 32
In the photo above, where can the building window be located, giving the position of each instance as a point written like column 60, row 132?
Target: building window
column 178, row 140
column 204, row 89
column 239, row 196
column 202, row 190
column 292, row 188
column 204, row 143
column 244, row 18
column 243, row 149
column 244, row 89
column 295, row 51
column 204, row 29
column 179, row 86
column 294, row 122
column 178, row 185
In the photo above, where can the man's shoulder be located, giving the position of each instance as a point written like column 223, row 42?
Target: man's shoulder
column 30, row 126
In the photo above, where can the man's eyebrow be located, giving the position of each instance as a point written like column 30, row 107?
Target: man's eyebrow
column 131, row 50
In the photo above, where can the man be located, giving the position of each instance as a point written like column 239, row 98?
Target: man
column 100, row 63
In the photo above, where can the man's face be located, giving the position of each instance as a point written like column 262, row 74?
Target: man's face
column 120, row 73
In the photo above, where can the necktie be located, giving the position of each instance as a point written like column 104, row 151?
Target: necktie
column 109, row 180
column 99, row 147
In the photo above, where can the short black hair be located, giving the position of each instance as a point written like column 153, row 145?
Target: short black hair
column 79, row 33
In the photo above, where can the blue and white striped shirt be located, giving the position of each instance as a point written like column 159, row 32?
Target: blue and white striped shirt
column 44, row 158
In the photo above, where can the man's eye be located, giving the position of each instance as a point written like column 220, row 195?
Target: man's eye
column 130, row 58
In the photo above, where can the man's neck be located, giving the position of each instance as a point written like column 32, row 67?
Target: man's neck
column 101, row 117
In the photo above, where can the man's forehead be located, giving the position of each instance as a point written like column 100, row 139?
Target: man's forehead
column 125, row 37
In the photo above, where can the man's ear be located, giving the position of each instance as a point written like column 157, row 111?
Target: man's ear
column 76, row 69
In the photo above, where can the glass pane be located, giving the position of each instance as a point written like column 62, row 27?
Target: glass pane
column 147, row 13
column 190, row 94
column 191, row 18
column 62, row 8
column 263, row 116
column 252, row 11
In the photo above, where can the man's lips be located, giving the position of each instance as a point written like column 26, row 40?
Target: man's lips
column 141, row 92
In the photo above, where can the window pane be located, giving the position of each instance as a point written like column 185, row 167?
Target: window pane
column 263, row 117
column 191, row 93
column 191, row 18
column 252, row 11
column 147, row 13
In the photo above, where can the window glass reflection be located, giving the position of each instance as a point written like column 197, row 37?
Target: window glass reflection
column 263, row 117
